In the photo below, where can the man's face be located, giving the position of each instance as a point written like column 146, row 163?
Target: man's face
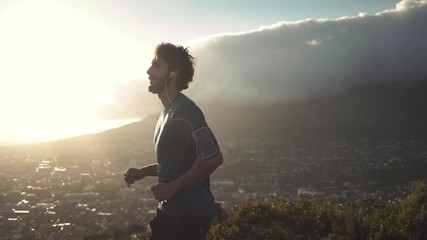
column 158, row 74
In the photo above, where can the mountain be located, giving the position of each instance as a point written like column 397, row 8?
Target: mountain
column 387, row 110
column 380, row 111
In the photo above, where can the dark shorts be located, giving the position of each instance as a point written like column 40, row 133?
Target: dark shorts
column 167, row 227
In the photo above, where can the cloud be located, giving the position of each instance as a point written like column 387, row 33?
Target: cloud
column 291, row 61
column 409, row 4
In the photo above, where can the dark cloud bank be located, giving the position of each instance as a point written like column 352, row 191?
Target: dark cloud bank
column 357, row 76
column 299, row 60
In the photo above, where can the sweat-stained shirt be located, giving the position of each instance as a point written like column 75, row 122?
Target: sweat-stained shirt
column 177, row 145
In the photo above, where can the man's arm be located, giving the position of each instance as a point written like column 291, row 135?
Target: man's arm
column 200, row 170
column 135, row 174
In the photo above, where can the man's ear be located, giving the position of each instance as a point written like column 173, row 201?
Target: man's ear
column 174, row 73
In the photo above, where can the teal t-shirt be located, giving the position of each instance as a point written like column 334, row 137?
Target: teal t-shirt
column 176, row 150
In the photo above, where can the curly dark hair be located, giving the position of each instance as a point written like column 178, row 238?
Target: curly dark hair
column 178, row 57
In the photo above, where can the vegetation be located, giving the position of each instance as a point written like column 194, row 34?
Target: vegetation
column 302, row 218
column 372, row 219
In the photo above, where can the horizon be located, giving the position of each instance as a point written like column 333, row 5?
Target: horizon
column 96, row 129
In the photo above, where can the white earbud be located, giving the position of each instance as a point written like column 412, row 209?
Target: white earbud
column 171, row 74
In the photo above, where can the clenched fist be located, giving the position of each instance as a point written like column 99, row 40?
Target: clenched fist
column 132, row 175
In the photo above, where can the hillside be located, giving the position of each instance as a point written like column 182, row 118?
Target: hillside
column 373, row 111
column 381, row 111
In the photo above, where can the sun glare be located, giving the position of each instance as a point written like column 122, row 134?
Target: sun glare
column 57, row 64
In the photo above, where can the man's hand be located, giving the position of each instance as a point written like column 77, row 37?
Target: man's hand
column 133, row 174
column 163, row 191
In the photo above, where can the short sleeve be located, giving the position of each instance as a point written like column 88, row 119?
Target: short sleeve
column 206, row 144
column 192, row 129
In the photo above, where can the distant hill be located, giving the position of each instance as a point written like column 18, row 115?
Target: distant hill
column 387, row 110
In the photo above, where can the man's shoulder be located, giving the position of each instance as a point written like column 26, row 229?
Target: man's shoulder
column 185, row 105
column 188, row 110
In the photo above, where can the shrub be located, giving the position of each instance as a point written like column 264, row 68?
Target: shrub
column 372, row 219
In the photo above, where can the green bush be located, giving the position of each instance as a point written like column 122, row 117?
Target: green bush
column 372, row 219
column 271, row 220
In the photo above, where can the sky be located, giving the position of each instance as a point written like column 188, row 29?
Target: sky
column 76, row 67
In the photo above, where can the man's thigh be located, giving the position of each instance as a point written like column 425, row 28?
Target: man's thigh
column 165, row 227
